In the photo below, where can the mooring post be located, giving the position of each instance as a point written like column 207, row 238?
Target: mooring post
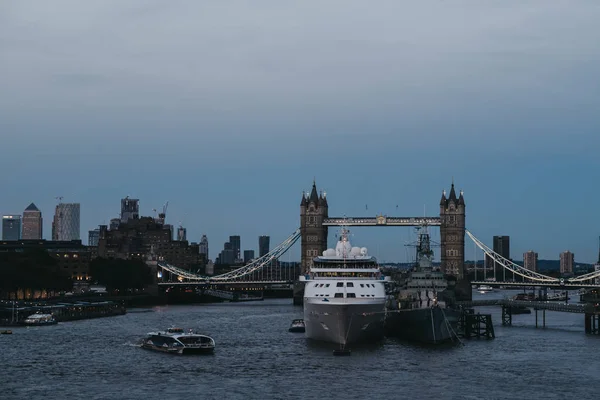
column 544, row 318
column 536, row 319
column 506, row 315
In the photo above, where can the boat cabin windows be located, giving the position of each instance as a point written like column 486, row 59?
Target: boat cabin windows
column 340, row 284
column 352, row 295
column 338, row 295
column 350, row 284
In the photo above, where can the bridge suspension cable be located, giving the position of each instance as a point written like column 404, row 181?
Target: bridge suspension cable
column 247, row 269
column 524, row 272
column 511, row 266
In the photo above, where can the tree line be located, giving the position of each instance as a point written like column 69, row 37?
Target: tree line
column 36, row 270
column 33, row 270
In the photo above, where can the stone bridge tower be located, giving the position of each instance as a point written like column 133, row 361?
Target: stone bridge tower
column 452, row 233
column 313, row 235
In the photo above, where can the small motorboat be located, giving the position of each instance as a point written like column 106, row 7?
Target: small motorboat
column 6, row 332
column 297, row 326
column 485, row 289
column 176, row 341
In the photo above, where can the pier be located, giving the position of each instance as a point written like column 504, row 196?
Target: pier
column 471, row 325
column 591, row 312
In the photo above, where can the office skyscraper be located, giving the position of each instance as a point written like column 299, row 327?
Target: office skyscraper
column 248, row 255
column 11, row 227
column 530, row 260
column 130, row 209
column 32, row 223
column 263, row 245
column 235, row 246
column 567, row 259
column 502, row 247
column 181, row 234
column 204, row 246
column 66, row 222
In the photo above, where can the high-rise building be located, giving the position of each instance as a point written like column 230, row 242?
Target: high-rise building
column 235, row 246
column 66, row 222
column 204, row 246
column 248, row 256
column 597, row 265
column 11, row 227
column 94, row 237
column 130, row 209
column 32, row 223
column 181, row 234
column 567, row 259
column 530, row 260
column 501, row 246
column 263, row 245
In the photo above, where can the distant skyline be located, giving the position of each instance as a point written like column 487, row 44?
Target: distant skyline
column 229, row 110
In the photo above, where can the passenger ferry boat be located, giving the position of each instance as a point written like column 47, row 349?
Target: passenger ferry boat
column 40, row 319
column 176, row 341
column 344, row 295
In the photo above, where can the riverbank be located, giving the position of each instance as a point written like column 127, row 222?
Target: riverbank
column 15, row 313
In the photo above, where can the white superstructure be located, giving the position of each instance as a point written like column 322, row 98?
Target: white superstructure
column 344, row 295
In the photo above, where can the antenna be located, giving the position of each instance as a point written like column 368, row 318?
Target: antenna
column 598, row 249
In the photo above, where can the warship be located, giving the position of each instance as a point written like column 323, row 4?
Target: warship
column 417, row 311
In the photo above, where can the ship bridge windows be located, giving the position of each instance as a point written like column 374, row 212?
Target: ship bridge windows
column 350, row 284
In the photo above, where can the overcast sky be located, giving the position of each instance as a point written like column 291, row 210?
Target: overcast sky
column 229, row 109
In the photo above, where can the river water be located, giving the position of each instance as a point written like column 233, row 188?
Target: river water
column 257, row 358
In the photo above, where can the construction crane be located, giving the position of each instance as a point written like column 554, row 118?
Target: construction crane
column 163, row 215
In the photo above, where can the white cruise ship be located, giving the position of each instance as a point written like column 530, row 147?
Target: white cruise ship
column 344, row 295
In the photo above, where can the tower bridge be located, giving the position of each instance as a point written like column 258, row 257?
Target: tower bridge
column 315, row 221
column 312, row 233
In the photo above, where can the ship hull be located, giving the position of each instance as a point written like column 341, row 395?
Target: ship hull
column 425, row 325
column 344, row 323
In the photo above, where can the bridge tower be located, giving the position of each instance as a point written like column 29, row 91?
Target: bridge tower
column 313, row 235
column 452, row 233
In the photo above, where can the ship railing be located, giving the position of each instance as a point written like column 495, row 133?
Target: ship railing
column 198, row 345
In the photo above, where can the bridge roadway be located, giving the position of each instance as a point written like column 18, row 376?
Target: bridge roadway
column 536, row 305
column 230, row 283
column 382, row 220
column 562, row 285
